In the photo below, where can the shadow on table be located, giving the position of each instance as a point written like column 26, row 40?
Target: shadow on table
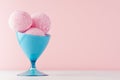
column 31, row 78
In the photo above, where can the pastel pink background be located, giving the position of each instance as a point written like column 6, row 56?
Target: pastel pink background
column 85, row 35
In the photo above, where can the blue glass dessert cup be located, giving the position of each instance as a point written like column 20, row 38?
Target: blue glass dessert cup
column 33, row 46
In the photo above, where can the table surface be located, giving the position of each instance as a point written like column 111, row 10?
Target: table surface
column 64, row 75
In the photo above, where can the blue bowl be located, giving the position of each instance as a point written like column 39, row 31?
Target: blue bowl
column 33, row 46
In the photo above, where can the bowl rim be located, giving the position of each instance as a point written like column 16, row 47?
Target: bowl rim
column 46, row 35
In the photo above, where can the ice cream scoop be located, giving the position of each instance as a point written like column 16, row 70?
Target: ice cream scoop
column 41, row 21
column 35, row 31
column 20, row 21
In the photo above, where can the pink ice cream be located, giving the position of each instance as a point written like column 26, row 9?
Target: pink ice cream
column 41, row 21
column 35, row 31
column 20, row 21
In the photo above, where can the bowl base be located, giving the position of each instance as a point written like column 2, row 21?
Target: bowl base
column 32, row 72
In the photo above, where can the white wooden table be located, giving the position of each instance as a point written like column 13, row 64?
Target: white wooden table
column 64, row 75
